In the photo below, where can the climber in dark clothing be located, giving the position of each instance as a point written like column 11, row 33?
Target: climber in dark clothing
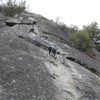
column 54, row 50
column 50, row 49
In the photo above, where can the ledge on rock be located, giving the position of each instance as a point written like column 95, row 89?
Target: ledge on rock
column 12, row 22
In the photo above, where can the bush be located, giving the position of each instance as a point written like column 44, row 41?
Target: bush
column 98, row 47
column 81, row 41
column 94, row 33
column 11, row 8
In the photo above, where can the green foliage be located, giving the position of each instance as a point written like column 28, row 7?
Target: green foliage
column 86, row 38
column 92, row 29
column 12, row 7
column 21, row 7
column 81, row 40
column 94, row 33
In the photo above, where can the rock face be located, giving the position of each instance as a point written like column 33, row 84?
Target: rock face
column 28, row 72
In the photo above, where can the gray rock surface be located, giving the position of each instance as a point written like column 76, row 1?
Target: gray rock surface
column 28, row 72
column 81, row 58
column 14, row 21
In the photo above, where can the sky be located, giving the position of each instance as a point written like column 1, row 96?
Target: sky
column 75, row 12
column 70, row 12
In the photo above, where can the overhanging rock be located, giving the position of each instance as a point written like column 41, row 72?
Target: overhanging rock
column 12, row 21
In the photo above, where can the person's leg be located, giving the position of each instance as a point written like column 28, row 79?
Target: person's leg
column 49, row 49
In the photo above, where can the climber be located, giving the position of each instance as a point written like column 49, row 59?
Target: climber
column 52, row 50
column 49, row 49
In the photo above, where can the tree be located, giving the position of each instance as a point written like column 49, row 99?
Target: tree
column 81, row 40
column 94, row 33
column 11, row 7
column 93, row 30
